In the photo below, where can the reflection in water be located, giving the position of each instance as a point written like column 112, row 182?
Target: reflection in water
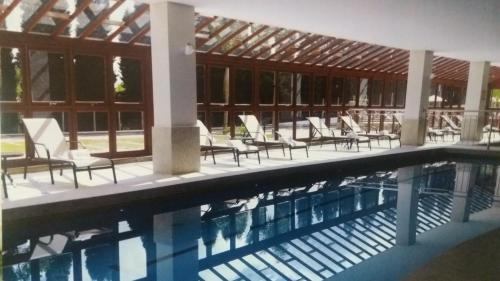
column 309, row 231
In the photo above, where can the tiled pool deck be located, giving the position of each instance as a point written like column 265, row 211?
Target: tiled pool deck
column 36, row 189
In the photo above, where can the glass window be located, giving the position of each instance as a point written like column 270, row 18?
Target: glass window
column 202, row 117
column 48, row 79
column 494, row 98
column 401, row 93
column 302, row 124
column 127, row 74
column 244, row 87
column 376, row 92
column 219, row 85
column 219, row 123
column 130, row 131
column 200, row 83
column 89, row 78
column 93, row 131
column 337, row 87
column 320, row 90
column 285, row 123
column 432, row 95
column 363, row 92
column 267, row 122
column 61, row 118
column 10, row 75
column 239, row 127
column 11, row 132
column 350, row 91
column 284, row 83
column 266, row 87
column 389, row 93
column 302, row 88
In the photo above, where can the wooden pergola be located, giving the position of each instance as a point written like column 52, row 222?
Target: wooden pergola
column 127, row 22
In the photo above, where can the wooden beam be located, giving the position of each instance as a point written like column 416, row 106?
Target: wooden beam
column 275, row 44
column 215, row 33
column 5, row 13
column 62, row 26
column 347, row 54
column 360, row 56
column 229, row 37
column 333, row 51
column 324, row 51
column 260, row 42
column 128, row 21
column 37, row 15
column 403, row 61
column 140, row 34
column 306, row 42
column 204, row 23
column 94, row 24
column 313, row 47
column 287, row 45
column 391, row 58
column 369, row 57
column 248, row 38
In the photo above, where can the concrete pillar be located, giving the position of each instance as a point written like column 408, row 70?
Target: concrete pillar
column 176, row 238
column 475, row 99
column 464, row 182
column 496, row 197
column 176, row 147
column 407, row 205
column 417, row 98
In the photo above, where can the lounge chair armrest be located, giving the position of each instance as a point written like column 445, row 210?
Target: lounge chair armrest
column 44, row 147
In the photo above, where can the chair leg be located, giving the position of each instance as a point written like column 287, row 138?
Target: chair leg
column 206, row 151
column 258, row 156
column 307, row 152
column 51, row 173
column 5, row 194
column 357, row 145
column 74, row 176
column 267, row 152
column 61, row 172
column 213, row 154
column 90, row 173
column 335, row 144
column 390, row 143
column 25, row 167
column 114, row 172
column 238, row 157
column 290, row 148
column 283, row 148
column 370, row 144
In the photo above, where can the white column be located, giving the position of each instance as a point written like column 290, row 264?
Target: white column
column 464, row 182
column 475, row 99
column 176, row 147
column 496, row 197
column 407, row 205
column 176, row 238
column 417, row 98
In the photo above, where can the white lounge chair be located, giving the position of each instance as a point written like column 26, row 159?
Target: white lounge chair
column 453, row 129
column 208, row 143
column 50, row 145
column 325, row 134
column 257, row 134
column 354, row 127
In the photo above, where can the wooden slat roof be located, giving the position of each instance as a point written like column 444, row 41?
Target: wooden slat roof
column 127, row 22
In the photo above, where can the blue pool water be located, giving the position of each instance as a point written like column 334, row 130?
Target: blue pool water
column 308, row 231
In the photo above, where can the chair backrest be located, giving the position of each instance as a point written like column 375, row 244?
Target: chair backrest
column 399, row 118
column 205, row 136
column 320, row 127
column 450, row 122
column 47, row 132
column 347, row 119
column 253, row 127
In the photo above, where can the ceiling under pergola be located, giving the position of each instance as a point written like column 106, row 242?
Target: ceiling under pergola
column 127, row 22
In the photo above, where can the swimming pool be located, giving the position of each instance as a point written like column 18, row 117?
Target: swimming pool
column 279, row 229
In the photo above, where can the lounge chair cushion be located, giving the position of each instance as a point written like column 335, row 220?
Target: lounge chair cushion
column 291, row 142
column 239, row 145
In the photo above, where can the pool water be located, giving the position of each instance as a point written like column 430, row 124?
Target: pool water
column 312, row 230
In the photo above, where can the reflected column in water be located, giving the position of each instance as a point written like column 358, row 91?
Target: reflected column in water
column 464, row 182
column 496, row 197
column 176, row 237
column 407, row 206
